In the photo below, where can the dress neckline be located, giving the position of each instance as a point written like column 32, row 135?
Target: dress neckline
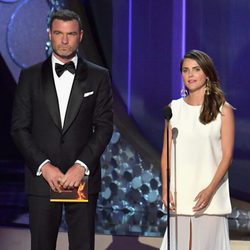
column 189, row 105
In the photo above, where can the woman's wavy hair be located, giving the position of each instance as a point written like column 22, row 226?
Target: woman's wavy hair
column 212, row 102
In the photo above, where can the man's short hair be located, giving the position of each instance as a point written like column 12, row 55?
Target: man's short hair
column 65, row 15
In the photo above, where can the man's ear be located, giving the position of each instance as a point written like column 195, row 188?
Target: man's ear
column 81, row 35
column 49, row 34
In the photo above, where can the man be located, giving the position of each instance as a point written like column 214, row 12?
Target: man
column 62, row 121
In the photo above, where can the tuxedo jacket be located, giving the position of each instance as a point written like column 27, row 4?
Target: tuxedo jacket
column 36, row 123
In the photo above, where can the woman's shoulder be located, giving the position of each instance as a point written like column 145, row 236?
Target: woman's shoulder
column 227, row 109
column 176, row 102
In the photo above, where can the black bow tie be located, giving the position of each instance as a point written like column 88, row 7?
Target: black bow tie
column 60, row 68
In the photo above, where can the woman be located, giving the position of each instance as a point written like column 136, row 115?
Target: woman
column 200, row 157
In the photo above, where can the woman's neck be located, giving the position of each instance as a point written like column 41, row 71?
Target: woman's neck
column 195, row 99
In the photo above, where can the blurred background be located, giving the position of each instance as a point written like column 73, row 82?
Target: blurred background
column 141, row 42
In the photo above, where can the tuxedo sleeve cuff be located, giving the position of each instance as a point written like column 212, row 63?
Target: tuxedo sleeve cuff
column 87, row 172
column 39, row 170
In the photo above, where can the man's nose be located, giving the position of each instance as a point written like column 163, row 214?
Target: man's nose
column 65, row 39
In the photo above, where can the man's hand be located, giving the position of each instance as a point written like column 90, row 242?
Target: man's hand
column 73, row 177
column 53, row 176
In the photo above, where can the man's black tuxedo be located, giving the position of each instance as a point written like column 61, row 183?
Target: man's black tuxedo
column 37, row 132
column 36, row 123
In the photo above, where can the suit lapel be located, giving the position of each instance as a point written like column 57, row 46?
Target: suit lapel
column 76, row 95
column 50, row 95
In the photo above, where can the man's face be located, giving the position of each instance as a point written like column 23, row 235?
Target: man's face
column 65, row 37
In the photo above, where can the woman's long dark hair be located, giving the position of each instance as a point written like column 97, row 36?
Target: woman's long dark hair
column 212, row 102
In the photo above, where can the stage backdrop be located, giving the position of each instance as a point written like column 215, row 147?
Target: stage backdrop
column 142, row 43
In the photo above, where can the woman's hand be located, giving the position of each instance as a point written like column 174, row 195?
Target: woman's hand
column 203, row 199
column 165, row 201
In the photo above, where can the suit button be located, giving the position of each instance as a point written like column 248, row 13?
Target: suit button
column 62, row 141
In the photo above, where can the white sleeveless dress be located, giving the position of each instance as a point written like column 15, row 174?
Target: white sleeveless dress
column 198, row 154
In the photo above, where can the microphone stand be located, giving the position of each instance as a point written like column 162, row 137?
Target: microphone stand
column 168, row 116
column 174, row 136
column 168, row 186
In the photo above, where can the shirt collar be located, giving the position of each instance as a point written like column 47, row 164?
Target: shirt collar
column 55, row 60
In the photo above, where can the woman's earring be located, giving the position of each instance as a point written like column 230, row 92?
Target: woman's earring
column 208, row 87
column 184, row 92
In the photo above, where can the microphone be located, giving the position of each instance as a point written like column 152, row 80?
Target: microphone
column 174, row 133
column 167, row 113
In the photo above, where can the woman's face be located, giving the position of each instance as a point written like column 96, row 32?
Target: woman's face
column 193, row 76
